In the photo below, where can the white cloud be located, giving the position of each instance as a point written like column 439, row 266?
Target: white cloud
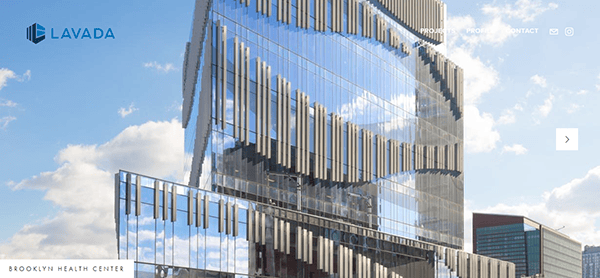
column 176, row 106
column 507, row 117
column 459, row 24
column 167, row 67
column 579, row 195
column 468, row 227
column 497, row 32
column 518, row 149
column 4, row 121
column 355, row 108
column 539, row 80
column 525, row 10
column 480, row 78
column 82, row 188
column 6, row 74
column 125, row 112
column 359, row 104
column 573, row 108
column 25, row 77
column 582, row 92
column 398, row 122
column 480, row 135
column 518, row 107
column 8, row 103
column 544, row 109
column 573, row 205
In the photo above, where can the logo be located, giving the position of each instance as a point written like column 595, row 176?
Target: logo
column 554, row 31
column 569, row 31
column 36, row 33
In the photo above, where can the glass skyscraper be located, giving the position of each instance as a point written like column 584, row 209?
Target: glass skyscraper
column 532, row 247
column 591, row 261
column 324, row 138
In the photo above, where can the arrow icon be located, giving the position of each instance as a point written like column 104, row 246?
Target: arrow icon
column 567, row 139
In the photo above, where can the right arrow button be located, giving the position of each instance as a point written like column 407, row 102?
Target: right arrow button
column 567, row 139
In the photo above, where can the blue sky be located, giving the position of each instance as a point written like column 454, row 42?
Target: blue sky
column 68, row 92
column 72, row 109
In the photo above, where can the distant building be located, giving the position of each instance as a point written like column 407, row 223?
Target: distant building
column 591, row 261
column 532, row 247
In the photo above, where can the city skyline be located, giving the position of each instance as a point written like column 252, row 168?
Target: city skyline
column 26, row 117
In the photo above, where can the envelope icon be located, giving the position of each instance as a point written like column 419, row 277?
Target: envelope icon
column 554, row 31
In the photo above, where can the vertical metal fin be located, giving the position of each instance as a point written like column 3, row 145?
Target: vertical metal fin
column 275, row 233
column 219, row 83
column 310, row 247
column 221, row 215
column 242, row 80
column 236, row 84
column 174, row 203
column 287, row 238
column 224, row 74
column 279, row 139
column 288, row 121
column 263, row 229
column 282, row 236
column 299, row 12
column 316, row 137
column 299, row 146
column 156, row 199
column 128, row 194
column 331, row 256
column 206, row 210
column 350, row 260
column 265, row 7
column 305, row 245
column 333, row 144
column 264, row 110
column 320, row 254
column 250, row 229
column 341, row 261
column 236, row 219
column 268, row 110
column 247, row 106
column 298, row 243
column 258, row 106
column 190, row 207
column 323, row 142
column 359, row 266
column 165, row 201
column 198, row 209
column 228, row 222
column 138, row 196
column 256, row 226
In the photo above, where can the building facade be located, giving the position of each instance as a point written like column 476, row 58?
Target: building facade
column 323, row 138
column 591, row 261
column 532, row 247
